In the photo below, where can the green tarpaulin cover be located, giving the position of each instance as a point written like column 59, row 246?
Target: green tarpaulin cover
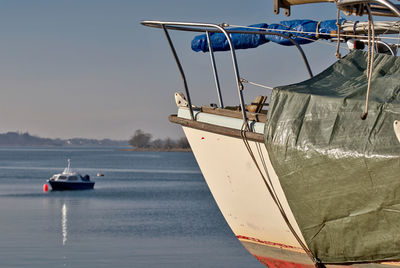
column 341, row 174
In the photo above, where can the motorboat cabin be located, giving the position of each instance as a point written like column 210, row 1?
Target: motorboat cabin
column 70, row 180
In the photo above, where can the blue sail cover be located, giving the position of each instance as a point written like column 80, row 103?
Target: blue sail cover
column 239, row 41
column 308, row 27
column 243, row 41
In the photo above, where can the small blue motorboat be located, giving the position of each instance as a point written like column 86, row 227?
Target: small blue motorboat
column 70, row 180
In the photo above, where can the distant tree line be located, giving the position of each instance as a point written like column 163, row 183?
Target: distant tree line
column 142, row 140
column 26, row 139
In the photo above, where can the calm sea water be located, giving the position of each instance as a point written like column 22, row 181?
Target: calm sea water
column 150, row 209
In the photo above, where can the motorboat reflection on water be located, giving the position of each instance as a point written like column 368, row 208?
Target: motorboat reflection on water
column 70, row 180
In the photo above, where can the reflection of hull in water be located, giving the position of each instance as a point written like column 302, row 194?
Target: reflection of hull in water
column 62, row 185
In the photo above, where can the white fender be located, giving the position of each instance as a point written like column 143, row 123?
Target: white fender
column 396, row 126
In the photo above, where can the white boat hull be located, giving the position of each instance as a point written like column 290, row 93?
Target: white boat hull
column 243, row 198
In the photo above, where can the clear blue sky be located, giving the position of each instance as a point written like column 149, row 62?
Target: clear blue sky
column 88, row 68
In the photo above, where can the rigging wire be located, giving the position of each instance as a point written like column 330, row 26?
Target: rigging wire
column 255, row 84
column 322, row 34
column 261, row 155
column 245, row 128
column 267, row 179
column 392, row 27
column 337, row 54
column 271, row 190
column 370, row 66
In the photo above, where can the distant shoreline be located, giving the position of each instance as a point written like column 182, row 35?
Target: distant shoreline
column 25, row 139
column 156, row 150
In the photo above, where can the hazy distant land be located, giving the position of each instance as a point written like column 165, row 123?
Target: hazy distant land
column 26, row 139
column 140, row 141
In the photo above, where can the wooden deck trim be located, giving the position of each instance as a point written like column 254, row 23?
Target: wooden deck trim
column 231, row 132
column 258, row 117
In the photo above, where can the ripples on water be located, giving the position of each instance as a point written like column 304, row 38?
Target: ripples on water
column 150, row 209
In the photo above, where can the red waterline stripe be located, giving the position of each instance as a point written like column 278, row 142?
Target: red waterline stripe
column 274, row 263
column 268, row 242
